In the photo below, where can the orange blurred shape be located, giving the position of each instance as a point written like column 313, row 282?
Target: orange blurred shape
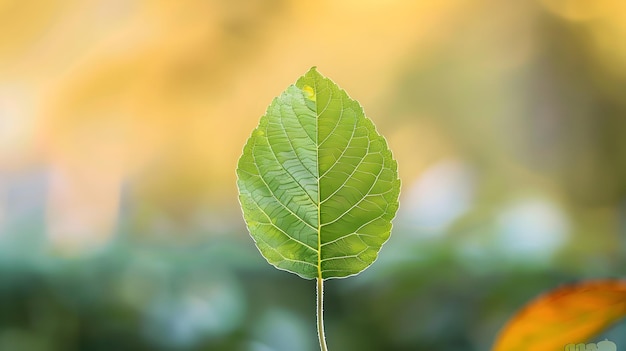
column 570, row 314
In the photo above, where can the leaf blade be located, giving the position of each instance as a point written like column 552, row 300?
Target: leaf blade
column 570, row 314
column 318, row 185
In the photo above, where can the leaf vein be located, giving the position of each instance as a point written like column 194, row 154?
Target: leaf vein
column 361, row 200
column 272, row 193
column 281, row 166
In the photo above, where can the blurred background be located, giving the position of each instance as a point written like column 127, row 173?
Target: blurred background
column 121, row 122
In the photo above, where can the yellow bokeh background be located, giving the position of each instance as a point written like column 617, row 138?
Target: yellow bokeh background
column 164, row 94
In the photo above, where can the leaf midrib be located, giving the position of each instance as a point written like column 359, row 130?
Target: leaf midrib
column 319, row 203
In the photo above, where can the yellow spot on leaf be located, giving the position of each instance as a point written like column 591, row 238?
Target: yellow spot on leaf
column 309, row 92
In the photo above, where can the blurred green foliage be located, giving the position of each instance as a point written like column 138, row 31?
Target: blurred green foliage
column 223, row 296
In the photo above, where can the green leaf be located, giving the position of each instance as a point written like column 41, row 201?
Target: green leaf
column 317, row 184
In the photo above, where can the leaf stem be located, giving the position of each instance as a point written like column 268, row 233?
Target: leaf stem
column 320, row 314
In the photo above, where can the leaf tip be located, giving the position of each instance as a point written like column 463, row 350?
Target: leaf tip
column 313, row 72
